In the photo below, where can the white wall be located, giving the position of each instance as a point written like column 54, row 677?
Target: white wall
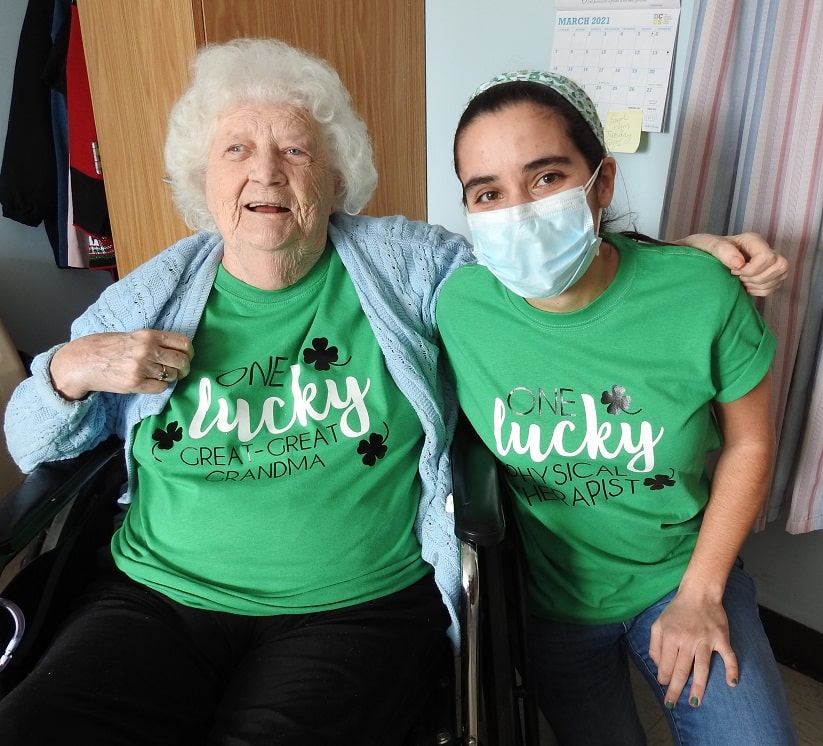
column 38, row 301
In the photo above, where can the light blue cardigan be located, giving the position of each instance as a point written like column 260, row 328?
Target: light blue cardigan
column 397, row 267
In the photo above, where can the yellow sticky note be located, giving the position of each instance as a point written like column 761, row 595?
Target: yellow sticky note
column 622, row 130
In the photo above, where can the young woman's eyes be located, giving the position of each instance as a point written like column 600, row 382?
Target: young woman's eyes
column 549, row 179
column 488, row 196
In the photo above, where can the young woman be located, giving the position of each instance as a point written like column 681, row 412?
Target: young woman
column 602, row 372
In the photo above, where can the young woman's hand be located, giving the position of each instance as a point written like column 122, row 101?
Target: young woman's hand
column 683, row 639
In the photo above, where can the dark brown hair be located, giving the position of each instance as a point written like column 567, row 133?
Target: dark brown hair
column 500, row 96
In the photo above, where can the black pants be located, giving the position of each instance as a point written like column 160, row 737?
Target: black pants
column 132, row 667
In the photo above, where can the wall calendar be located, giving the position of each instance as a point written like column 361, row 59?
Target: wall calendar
column 621, row 53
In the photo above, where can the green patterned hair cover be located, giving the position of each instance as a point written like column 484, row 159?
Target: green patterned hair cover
column 568, row 89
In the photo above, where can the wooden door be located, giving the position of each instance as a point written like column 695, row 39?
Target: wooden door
column 138, row 54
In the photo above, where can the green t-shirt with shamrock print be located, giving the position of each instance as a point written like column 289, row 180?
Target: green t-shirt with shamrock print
column 602, row 417
column 282, row 476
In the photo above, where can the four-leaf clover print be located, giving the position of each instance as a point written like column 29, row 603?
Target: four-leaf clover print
column 618, row 401
column 373, row 448
column 660, row 481
column 165, row 439
column 321, row 356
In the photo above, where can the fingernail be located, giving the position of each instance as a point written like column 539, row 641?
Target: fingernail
column 734, row 682
column 694, row 701
column 669, row 705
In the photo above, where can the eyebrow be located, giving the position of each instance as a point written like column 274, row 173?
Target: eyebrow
column 536, row 164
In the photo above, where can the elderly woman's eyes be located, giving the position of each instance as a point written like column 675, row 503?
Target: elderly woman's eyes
column 297, row 155
column 293, row 154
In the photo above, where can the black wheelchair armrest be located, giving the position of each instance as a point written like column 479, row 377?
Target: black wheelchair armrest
column 46, row 491
column 478, row 501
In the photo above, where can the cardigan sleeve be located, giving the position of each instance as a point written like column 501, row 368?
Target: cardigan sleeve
column 167, row 292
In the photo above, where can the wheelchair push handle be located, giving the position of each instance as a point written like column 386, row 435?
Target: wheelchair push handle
column 19, row 628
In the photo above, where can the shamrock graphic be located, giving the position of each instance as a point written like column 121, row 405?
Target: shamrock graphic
column 617, row 400
column 166, row 438
column 321, row 355
column 659, row 481
column 373, row 448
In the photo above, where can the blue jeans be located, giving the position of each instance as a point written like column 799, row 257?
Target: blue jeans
column 585, row 691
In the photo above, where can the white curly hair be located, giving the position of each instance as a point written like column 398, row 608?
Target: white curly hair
column 266, row 71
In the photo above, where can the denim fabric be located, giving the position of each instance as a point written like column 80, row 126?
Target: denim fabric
column 585, row 691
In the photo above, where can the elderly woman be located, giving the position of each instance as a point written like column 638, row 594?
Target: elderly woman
column 275, row 379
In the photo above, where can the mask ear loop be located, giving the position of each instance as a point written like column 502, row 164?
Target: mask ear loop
column 587, row 188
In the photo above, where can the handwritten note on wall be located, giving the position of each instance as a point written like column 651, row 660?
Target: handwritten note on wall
column 621, row 53
column 622, row 130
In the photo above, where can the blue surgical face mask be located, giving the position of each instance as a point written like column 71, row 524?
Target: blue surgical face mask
column 538, row 249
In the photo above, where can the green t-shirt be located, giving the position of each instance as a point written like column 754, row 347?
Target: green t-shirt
column 602, row 417
column 282, row 476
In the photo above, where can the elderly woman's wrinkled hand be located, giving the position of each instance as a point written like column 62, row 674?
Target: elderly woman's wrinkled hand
column 765, row 270
column 761, row 269
column 140, row 362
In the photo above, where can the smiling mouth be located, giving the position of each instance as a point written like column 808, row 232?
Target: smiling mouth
column 266, row 207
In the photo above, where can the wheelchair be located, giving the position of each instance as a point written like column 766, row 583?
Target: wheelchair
column 55, row 521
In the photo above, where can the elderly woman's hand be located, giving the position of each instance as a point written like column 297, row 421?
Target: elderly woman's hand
column 747, row 255
column 139, row 362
